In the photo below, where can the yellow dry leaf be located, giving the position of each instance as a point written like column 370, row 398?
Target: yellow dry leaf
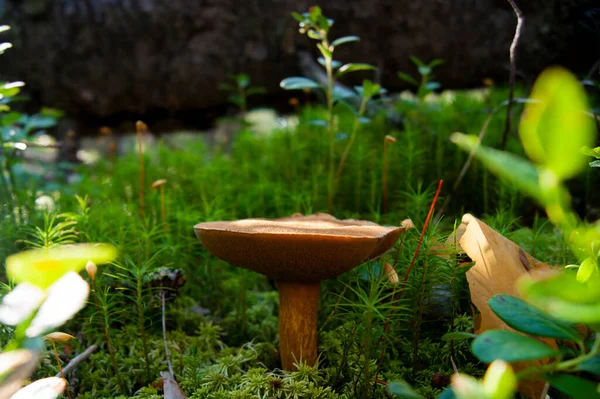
column 499, row 263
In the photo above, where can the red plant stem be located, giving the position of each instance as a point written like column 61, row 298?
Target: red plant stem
column 410, row 267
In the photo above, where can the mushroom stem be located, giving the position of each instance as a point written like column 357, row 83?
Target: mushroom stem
column 298, row 310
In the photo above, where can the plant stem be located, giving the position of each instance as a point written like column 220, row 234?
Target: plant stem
column 105, row 328
column 60, row 370
column 513, row 69
column 140, row 312
column 141, row 129
column 330, row 129
column 164, row 331
column 361, row 111
column 163, row 210
column 367, row 353
column 567, row 364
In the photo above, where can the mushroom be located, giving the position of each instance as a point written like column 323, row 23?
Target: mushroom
column 297, row 251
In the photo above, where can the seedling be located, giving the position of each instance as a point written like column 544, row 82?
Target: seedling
column 316, row 26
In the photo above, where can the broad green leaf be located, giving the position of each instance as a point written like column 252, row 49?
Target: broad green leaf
column 595, row 164
column 42, row 267
column 529, row 319
column 575, row 387
column 586, row 270
column 510, row 167
column 509, row 346
column 299, row 83
column 345, row 39
column 458, row 336
column 403, row 389
column 407, row 78
column 499, row 382
column 591, row 365
column 353, row 68
column 555, row 127
column 562, row 296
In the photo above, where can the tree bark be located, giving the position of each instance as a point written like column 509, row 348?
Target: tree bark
column 100, row 58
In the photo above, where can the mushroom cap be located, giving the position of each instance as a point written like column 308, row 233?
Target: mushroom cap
column 303, row 249
column 159, row 183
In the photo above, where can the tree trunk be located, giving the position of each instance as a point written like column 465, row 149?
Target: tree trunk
column 98, row 58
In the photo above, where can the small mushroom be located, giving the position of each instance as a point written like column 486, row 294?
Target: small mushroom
column 299, row 252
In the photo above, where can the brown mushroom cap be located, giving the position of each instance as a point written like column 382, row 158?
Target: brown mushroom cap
column 299, row 248
column 159, row 183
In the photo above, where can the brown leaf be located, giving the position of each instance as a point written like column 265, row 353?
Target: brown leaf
column 171, row 389
column 499, row 262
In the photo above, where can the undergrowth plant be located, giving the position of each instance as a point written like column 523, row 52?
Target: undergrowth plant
column 553, row 129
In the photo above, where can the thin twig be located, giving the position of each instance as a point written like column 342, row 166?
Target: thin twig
column 78, row 359
column 164, row 330
column 464, row 169
column 513, row 69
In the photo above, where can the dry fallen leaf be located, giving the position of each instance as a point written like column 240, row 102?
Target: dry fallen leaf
column 499, row 262
column 171, row 389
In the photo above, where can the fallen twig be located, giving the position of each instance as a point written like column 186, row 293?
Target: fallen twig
column 78, row 359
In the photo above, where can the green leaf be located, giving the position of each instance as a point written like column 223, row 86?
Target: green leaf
column 575, row 387
column 353, row 68
column 417, row 61
column 345, row 39
column 298, row 17
column 529, row 319
column 448, row 393
column 38, row 121
column 499, row 382
column 424, row 70
column 403, row 389
column 407, row 78
column 521, row 173
column 591, row 365
column 52, row 112
column 334, row 63
column 586, row 270
column 42, row 267
column 591, row 152
column 458, row 336
column 555, row 127
column 564, row 297
column 595, row 164
column 299, row 83
column 10, row 118
column 509, row 346
column 313, row 34
column 325, row 51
